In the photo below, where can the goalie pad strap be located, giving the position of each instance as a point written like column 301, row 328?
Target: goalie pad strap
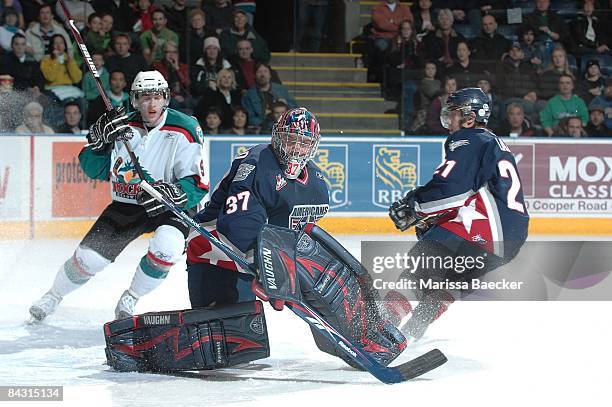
column 198, row 339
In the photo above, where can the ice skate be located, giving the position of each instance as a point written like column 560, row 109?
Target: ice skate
column 125, row 306
column 45, row 306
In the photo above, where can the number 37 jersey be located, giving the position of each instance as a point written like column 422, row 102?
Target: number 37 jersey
column 254, row 192
column 479, row 187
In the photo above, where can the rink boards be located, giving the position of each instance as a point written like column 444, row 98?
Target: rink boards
column 566, row 182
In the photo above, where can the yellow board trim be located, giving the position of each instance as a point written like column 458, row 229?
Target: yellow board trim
column 76, row 229
column 340, row 99
column 314, row 54
column 359, row 115
column 334, row 84
column 318, row 68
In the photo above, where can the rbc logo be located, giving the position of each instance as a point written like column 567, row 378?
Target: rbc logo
column 394, row 172
column 333, row 162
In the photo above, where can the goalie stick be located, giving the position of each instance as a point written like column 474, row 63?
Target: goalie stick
column 96, row 76
column 406, row 371
column 389, row 375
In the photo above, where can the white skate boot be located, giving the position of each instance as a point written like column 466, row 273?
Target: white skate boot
column 125, row 306
column 45, row 306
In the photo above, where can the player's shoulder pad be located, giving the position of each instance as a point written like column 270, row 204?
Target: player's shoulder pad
column 184, row 124
column 134, row 119
column 247, row 161
column 314, row 169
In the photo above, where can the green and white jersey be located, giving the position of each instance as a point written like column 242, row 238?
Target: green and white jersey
column 170, row 152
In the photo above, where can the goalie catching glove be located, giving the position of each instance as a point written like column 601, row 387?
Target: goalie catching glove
column 313, row 268
column 170, row 191
column 112, row 125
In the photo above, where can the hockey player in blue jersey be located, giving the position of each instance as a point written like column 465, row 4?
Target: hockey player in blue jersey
column 472, row 206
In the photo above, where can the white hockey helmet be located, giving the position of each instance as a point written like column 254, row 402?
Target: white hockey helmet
column 149, row 83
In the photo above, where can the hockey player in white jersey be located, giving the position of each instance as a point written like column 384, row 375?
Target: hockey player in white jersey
column 168, row 145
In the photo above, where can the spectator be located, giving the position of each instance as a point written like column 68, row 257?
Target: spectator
column 123, row 60
column 441, row 45
column 433, row 115
column 549, row 79
column 108, row 27
column 72, row 119
column 596, row 127
column 593, row 82
column 570, row 127
column 32, row 120
column 241, row 31
column 386, row 19
column 178, row 16
column 489, row 45
column 278, row 109
column 96, row 39
column 515, row 124
column 11, row 104
column 177, row 75
column 204, row 73
column 117, row 96
column 61, row 71
column 424, row 18
column 212, row 121
column 90, row 89
column 219, row 15
column 193, row 46
column 464, row 70
column 249, row 7
column 588, row 32
column 26, row 73
column 9, row 28
column 313, row 11
column 404, row 63
column 516, row 74
column 121, row 10
column 144, row 10
column 563, row 105
column 79, row 11
column 152, row 41
column 244, row 65
column 533, row 52
column 546, row 24
column 605, row 101
column 240, row 121
column 39, row 34
column 495, row 104
column 457, row 8
column 259, row 98
column 224, row 97
column 430, row 86
column 17, row 7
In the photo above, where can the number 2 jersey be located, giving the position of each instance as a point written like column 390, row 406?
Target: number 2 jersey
column 479, row 186
column 253, row 192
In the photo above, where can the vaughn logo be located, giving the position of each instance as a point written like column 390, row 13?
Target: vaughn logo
column 156, row 319
column 269, row 269
column 257, row 325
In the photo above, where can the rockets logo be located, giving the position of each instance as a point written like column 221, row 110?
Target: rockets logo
column 394, row 172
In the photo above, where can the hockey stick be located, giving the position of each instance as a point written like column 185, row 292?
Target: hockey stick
column 96, row 75
column 389, row 375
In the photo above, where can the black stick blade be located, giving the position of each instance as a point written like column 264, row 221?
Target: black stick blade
column 421, row 365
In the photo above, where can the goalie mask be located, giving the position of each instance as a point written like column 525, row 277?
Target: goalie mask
column 149, row 83
column 295, row 139
column 469, row 102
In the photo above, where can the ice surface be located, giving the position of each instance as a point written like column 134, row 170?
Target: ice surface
column 500, row 354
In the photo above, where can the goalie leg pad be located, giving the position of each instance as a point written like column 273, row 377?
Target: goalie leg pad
column 198, row 339
column 314, row 266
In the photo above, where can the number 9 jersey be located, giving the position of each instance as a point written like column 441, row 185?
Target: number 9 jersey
column 479, row 188
column 252, row 193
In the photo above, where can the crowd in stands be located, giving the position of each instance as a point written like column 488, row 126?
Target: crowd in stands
column 545, row 64
column 215, row 62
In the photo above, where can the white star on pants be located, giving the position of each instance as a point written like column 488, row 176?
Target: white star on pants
column 467, row 214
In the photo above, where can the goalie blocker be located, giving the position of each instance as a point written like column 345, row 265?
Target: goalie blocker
column 310, row 266
column 198, row 339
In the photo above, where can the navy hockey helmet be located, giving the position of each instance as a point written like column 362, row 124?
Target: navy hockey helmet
column 295, row 139
column 467, row 101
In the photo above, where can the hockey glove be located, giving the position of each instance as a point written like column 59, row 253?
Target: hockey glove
column 112, row 125
column 170, row 191
column 402, row 211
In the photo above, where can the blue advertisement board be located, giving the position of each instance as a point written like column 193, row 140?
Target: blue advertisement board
column 364, row 174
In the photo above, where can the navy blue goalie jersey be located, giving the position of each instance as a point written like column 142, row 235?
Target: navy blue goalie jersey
column 478, row 190
column 254, row 192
